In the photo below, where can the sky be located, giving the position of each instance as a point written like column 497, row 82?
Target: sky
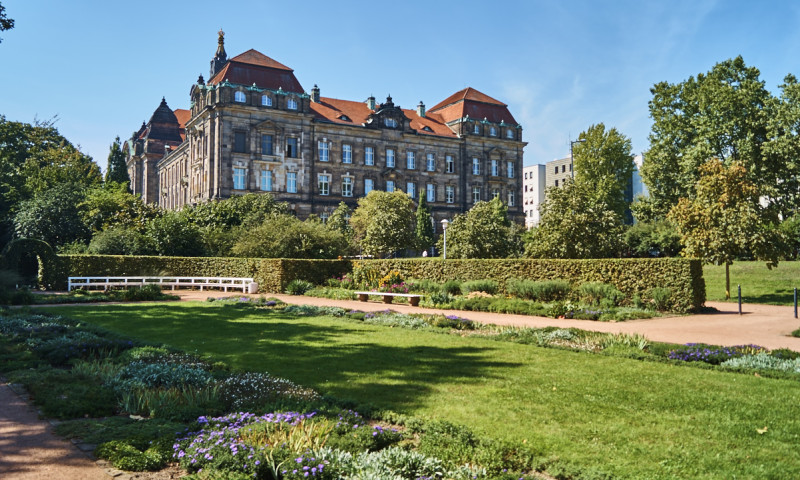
column 101, row 67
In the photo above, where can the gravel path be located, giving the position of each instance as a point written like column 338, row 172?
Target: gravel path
column 30, row 451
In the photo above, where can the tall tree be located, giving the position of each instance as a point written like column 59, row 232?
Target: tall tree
column 723, row 114
column 483, row 232
column 117, row 171
column 604, row 160
column 725, row 219
column 383, row 223
column 423, row 232
column 113, row 206
column 574, row 223
column 5, row 22
column 53, row 216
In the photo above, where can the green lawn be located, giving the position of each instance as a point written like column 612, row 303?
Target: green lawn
column 759, row 284
column 632, row 419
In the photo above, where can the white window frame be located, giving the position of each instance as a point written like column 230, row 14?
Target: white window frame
column 476, row 194
column 431, row 162
column 495, row 193
column 239, row 178
column 411, row 189
column 347, row 186
column 324, row 183
column 450, row 193
column 450, row 163
column 390, row 186
column 430, row 192
column 369, row 185
column 411, row 160
column 266, row 101
column 511, row 198
column 390, row 160
column 324, row 151
column 265, row 180
column 239, row 97
column 291, row 182
column 495, row 168
column 510, row 169
column 476, row 166
column 347, row 153
column 369, row 156
column 291, row 104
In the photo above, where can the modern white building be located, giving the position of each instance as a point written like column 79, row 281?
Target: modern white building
column 638, row 187
column 533, row 185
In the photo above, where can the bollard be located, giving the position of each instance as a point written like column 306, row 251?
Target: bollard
column 795, row 302
column 740, row 298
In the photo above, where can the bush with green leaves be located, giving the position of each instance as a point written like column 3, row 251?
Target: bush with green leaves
column 486, row 286
column 452, row 287
column 543, row 291
column 298, row 287
column 334, row 293
column 423, row 285
column 661, row 298
column 142, row 374
column 125, row 456
column 594, row 293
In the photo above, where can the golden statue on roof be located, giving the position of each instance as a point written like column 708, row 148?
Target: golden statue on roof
column 221, row 40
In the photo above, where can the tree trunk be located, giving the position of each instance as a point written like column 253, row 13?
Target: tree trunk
column 727, row 281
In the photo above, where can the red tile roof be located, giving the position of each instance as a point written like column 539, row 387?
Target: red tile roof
column 476, row 105
column 253, row 67
column 183, row 117
column 332, row 109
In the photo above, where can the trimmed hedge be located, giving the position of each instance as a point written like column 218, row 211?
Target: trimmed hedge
column 271, row 274
column 684, row 277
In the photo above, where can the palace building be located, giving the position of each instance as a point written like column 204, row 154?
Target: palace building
column 253, row 128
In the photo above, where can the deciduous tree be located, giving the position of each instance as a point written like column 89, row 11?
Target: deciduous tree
column 383, row 223
column 725, row 219
column 53, row 216
column 483, row 232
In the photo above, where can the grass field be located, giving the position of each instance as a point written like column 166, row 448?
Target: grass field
column 759, row 284
column 629, row 418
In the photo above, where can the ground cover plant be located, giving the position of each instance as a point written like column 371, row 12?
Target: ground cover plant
column 133, row 294
column 759, row 284
column 581, row 414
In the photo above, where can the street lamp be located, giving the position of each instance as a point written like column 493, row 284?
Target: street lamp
column 444, row 230
column 571, row 158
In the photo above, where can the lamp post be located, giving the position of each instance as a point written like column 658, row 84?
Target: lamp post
column 571, row 158
column 444, row 230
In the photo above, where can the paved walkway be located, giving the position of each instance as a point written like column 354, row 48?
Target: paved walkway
column 30, row 451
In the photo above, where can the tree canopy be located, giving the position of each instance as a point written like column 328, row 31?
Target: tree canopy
column 117, row 170
column 726, row 114
column 383, row 223
column 603, row 161
column 483, row 232
column 5, row 22
column 575, row 223
column 423, row 230
column 725, row 219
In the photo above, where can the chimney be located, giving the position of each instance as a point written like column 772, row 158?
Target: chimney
column 371, row 102
column 315, row 94
column 421, row 109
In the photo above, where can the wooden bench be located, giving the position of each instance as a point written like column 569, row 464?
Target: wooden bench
column 413, row 299
column 174, row 282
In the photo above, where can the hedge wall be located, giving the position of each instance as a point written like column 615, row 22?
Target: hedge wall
column 635, row 275
column 631, row 276
column 271, row 274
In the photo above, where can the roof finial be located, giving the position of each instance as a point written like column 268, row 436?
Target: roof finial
column 221, row 40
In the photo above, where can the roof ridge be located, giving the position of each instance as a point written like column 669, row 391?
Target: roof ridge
column 254, row 57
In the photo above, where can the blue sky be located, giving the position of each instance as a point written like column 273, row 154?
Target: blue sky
column 102, row 66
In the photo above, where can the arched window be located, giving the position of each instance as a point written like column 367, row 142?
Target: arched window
column 266, row 100
column 239, row 97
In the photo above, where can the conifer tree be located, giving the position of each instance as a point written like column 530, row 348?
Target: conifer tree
column 423, row 234
column 117, row 171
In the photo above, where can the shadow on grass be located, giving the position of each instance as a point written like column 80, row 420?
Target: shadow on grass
column 387, row 367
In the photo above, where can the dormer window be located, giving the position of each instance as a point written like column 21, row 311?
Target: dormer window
column 476, row 129
column 266, row 100
column 390, row 122
column 510, row 134
column 239, row 97
column 344, row 118
column 291, row 104
column 426, row 129
column 493, row 131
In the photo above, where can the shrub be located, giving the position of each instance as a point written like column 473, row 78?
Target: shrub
column 251, row 391
column 543, row 291
column 661, row 298
column 595, row 292
column 125, row 456
column 423, row 285
column 146, row 293
column 452, row 287
column 441, row 298
column 487, row 286
column 79, row 345
column 298, row 287
column 334, row 293
column 142, row 374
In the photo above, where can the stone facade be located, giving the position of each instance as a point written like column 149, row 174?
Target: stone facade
column 252, row 128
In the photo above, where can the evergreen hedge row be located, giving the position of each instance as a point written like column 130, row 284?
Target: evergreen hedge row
column 271, row 274
column 684, row 277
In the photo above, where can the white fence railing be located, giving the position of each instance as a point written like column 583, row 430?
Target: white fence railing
column 245, row 284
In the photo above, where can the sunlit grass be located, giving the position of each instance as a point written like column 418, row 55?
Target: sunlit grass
column 759, row 284
column 629, row 418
